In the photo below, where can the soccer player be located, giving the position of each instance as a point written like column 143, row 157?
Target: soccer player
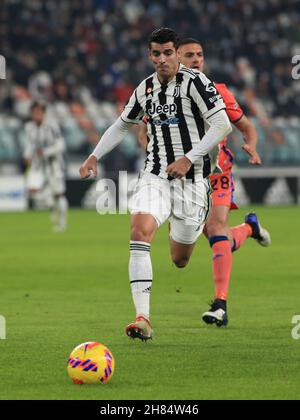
column 187, row 119
column 43, row 154
column 222, row 238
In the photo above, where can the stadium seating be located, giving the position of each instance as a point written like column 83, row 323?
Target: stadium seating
column 72, row 55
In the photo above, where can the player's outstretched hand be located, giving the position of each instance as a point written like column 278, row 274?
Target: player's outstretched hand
column 179, row 168
column 89, row 168
column 255, row 159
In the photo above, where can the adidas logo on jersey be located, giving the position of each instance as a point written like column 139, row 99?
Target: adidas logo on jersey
column 162, row 109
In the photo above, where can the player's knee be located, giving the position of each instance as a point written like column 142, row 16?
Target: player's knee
column 216, row 227
column 141, row 234
column 180, row 261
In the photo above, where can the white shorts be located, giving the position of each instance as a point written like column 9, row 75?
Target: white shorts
column 50, row 175
column 185, row 204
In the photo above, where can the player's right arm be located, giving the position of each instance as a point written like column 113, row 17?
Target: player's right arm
column 110, row 139
column 113, row 136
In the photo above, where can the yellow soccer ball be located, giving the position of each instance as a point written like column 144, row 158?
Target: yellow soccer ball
column 91, row 363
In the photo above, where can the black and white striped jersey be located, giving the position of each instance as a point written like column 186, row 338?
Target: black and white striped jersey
column 178, row 116
column 46, row 137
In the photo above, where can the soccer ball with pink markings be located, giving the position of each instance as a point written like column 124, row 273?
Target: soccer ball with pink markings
column 91, row 363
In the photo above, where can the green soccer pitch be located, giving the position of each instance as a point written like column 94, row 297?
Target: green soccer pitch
column 60, row 290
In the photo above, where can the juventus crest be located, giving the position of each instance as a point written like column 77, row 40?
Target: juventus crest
column 176, row 93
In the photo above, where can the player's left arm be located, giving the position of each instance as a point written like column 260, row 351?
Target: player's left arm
column 212, row 108
column 249, row 133
column 219, row 128
column 241, row 122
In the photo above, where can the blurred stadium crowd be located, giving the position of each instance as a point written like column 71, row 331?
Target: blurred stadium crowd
column 84, row 57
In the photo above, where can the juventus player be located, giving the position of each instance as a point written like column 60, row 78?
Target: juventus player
column 223, row 239
column 187, row 119
column 43, row 154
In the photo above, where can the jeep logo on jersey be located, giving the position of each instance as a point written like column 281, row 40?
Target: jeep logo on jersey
column 162, row 109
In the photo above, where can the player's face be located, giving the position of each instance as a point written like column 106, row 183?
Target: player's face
column 191, row 56
column 164, row 59
column 38, row 115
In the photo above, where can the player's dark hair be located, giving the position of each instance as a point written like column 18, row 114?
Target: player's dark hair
column 164, row 35
column 187, row 41
column 38, row 104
